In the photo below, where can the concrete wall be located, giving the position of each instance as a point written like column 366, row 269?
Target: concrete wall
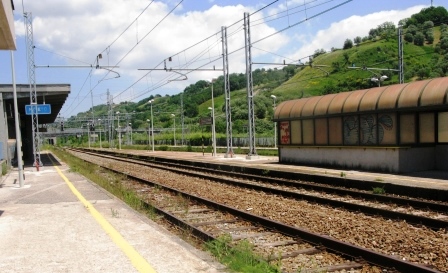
column 389, row 160
column 441, row 154
column 417, row 159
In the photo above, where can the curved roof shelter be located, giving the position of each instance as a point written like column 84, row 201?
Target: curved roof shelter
column 425, row 93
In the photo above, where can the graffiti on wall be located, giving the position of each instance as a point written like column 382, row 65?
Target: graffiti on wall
column 285, row 137
column 366, row 131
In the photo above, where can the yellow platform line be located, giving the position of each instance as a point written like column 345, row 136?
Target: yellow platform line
column 136, row 259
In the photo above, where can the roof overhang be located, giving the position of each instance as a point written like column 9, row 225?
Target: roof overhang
column 407, row 96
column 53, row 94
column 7, row 33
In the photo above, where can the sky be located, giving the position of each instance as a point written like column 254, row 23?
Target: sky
column 138, row 39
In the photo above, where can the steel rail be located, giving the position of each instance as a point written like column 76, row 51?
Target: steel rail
column 414, row 219
column 336, row 246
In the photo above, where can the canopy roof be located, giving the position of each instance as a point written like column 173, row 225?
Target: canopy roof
column 7, row 35
column 53, row 94
column 431, row 92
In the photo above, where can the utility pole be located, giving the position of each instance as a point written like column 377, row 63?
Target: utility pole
column 225, row 62
column 182, row 116
column 249, row 85
column 400, row 53
column 17, row 124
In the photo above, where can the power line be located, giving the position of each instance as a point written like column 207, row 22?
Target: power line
column 133, row 48
column 118, row 37
column 59, row 54
column 300, row 22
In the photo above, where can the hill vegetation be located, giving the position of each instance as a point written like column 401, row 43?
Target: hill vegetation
column 350, row 67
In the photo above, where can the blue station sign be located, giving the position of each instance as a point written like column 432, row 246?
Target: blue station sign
column 40, row 109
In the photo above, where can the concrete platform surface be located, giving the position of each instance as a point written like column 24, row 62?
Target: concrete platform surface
column 45, row 227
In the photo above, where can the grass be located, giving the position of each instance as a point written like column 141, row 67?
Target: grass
column 240, row 257
column 107, row 180
column 114, row 213
column 4, row 168
column 378, row 190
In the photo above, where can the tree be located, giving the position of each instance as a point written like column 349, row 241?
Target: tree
column 419, row 39
column 408, row 37
column 435, row 14
column 430, row 38
column 412, row 29
column 428, row 25
column 423, row 73
column 346, row 57
column 318, row 52
column 357, row 40
column 444, row 44
column 347, row 44
column 386, row 27
column 403, row 22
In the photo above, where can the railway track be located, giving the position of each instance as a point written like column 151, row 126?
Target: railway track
column 419, row 212
column 269, row 234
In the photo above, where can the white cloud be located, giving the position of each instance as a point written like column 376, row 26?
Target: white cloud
column 349, row 28
column 82, row 30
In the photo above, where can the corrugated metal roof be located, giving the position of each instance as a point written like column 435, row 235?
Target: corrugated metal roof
column 431, row 92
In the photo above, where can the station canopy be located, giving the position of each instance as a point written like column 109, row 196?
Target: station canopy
column 52, row 94
column 427, row 93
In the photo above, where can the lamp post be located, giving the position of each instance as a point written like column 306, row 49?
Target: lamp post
column 118, row 130
column 174, row 128
column 130, row 131
column 379, row 80
column 213, row 120
column 213, row 130
column 88, row 133
column 99, row 124
column 152, row 125
column 149, row 131
column 275, row 125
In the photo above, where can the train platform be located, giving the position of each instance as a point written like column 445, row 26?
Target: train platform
column 432, row 180
column 61, row 222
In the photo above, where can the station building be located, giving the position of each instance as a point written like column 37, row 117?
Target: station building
column 396, row 128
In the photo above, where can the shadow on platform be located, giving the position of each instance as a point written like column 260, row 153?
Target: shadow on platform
column 47, row 159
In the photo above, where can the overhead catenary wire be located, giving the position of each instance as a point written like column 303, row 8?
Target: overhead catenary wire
column 135, row 20
column 302, row 21
column 196, row 59
column 206, row 39
column 160, row 21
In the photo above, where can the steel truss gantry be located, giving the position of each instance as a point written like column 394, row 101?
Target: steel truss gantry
column 225, row 62
column 32, row 83
column 250, row 89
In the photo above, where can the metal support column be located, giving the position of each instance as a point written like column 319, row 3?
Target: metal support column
column 225, row 62
column 182, row 116
column 400, row 54
column 110, row 120
column 17, row 124
column 32, row 83
column 250, row 92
